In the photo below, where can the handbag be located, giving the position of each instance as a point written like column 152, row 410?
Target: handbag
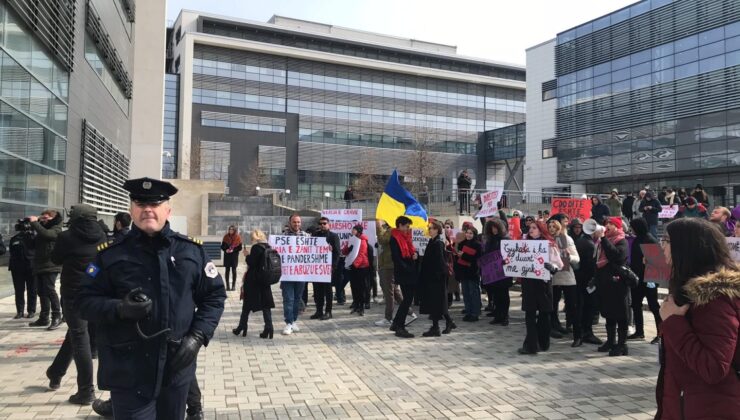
column 626, row 274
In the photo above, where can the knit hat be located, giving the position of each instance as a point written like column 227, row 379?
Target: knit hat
column 690, row 201
column 576, row 222
column 466, row 225
column 83, row 211
column 358, row 228
column 616, row 221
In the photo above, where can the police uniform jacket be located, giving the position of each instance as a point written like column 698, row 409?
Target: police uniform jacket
column 174, row 271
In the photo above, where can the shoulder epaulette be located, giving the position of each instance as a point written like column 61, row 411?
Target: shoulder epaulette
column 191, row 239
column 105, row 245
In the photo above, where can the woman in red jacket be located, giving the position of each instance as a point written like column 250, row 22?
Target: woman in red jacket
column 699, row 376
column 357, row 260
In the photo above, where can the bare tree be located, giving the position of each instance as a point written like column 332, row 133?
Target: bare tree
column 423, row 167
column 193, row 157
column 369, row 184
column 252, row 177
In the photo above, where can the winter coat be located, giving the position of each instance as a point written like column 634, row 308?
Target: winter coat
column 600, row 212
column 385, row 259
column 257, row 295
column 627, row 204
column 613, row 292
column 231, row 259
column 587, row 264
column 333, row 240
column 404, row 269
column 21, row 249
column 636, row 212
column 121, row 233
column 567, row 277
column 433, row 280
column 615, row 206
column 698, row 211
column 650, row 215
column 537, row 294
column 358, row 254
column 698, row 378
column 466, row 263
column 46, row 236
column 74, row 250
column 464, row 182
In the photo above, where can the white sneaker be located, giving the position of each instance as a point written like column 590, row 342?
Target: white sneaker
column 383, row 323
column 413, row 315
column 630, row 330
column 294, row 326
column 288, row 330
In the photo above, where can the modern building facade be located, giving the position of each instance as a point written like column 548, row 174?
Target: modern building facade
column 648, row 94
column 308, row 107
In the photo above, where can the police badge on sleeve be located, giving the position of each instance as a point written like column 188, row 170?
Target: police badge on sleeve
column 211, row 271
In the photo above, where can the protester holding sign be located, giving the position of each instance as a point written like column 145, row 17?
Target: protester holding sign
column 700, row 359
column 257, row 295
column 433, row 282
column 498, row 292
column 643, row 289
column 292, row 290
column 466, row 270
column 322, row 292
column 357, row 260
column 613, row 291
column 404, row 257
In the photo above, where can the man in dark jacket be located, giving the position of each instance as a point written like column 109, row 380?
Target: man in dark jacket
column 650, row 208
column 599, row 210
column 74, row 250
column 47, row 228
column 121, row 225
column 463, row 191
column 404, row 258
column 585, row 304
column 627, row 204
column 322, row 292
column 21, row 249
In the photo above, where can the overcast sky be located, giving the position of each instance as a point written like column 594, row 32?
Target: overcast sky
column 493, row 29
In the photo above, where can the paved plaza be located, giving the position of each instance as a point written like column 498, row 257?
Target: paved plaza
column 347, row 368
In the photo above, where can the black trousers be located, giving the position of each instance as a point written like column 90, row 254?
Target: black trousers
column 322, row 295
column 76, row 346
column 501, row 300
column 408, row 292
column 46, row 289
column 23, row 282
column 586, row 309
column 618, row 328
column 193, row 400
column 464, row 198
column 231, row 268
column 340, row 282
column 170, row 404
column 638, row 294
column 570, row 293
column 358, row 284
column 538, row 331
column 266, row 317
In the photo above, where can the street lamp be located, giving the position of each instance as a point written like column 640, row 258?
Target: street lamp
column 257, row 189
column 326, row 199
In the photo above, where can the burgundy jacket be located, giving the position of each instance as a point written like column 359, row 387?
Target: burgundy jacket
column 698, row 378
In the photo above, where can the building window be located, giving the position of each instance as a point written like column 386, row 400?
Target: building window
column 549, row 90
column 104, row 170
column 242, row 122
column 101, row 68
column 548, row 148
column 214, row 160
column 171, row 121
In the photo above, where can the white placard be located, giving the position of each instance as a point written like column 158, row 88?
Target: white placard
column 303, row 258
column 346, row 215
column 668, row 212
column 526, row 258
column 489, row 202
column 420, row 240
column 734, row 244
column 344, row 231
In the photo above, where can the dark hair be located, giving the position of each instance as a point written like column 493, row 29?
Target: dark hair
column 499, row 224
column 639, row 226
column 123, row 218
column 697, row 248
column 323, row 218
column 402, row 220
column 472, row 229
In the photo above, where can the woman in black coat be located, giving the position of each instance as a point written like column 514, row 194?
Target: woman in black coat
column 257, row 296
column 612, row 290
column 493, row 233
column 643, row 289
column 433, row 282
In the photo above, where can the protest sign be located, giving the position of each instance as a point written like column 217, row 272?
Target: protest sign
column 668, row 212
column 491, row 267
column 573, row 207
column 526, row 259
column 489, row 203
column 420, row 240
column 656, row 269
column 346, row 215
column 734, row 245
column 303, row 258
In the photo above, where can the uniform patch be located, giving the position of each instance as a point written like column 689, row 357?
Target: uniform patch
column 211, row 270
column 92, row 270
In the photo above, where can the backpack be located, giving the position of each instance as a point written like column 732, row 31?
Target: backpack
column 270, row 268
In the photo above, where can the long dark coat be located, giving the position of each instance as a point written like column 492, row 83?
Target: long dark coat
column 613, row 292
column 433, row 280
column 257, row 296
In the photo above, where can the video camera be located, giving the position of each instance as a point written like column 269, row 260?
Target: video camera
column 23, row 225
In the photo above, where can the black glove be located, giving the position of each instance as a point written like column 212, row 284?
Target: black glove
column 134, row 306
column 188, row 351
column 552, row 269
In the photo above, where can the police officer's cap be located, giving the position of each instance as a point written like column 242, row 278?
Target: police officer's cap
column 149, row 190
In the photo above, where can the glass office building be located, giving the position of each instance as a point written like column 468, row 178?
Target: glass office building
column 312, row 112
column 650, row 94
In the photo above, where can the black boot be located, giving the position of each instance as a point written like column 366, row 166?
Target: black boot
column 618, row 350
column 556, row 325
column 611, row 334
column 401, row 332
column 103, row 408
column 449, row 326
column 316, row 315
column 267, row 333
column 326, row 316
column 19, row 315
column 433, row 332
column 55, row 323
column 41, row 322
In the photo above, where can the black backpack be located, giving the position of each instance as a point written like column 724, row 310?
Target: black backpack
column 270, row 268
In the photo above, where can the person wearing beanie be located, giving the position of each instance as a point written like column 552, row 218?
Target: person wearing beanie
column 700, row 195
column 613, row 291
column 357, row 261
column 692, row 209
column 650, row 208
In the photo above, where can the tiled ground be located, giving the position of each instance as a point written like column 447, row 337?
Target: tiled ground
column 348, row 368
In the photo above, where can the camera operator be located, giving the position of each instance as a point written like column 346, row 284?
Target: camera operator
column 21, row 248
column 47, row 228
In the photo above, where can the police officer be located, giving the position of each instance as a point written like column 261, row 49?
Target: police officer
column 143, row 292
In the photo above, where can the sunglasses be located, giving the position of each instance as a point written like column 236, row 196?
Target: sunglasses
column 323, row 223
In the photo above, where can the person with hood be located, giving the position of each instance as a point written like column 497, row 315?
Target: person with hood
column 358, row 262
column 700, row 195
column 692, row 209
column 121, row 225
column 722, row 218
column 627, row 203
column 649, row 209
column 433, row 282
column 613, row 291
column 599, row 210
column 404, row 258
column 45, row 271
column 21, row 250
column 564, row 281
column 614, row 203
column 467, row 253
column 699, row 374
column 584, row 272
column 493, row 233
column 74, row 250
column 231, row 245
column 643, row 289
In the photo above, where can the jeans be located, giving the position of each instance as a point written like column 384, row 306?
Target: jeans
column 538, row 331
column 23, row 282
column 232, row 269
column 193, row 400
column 292, row 294
column 358, row 285
column 322, row 294
column 76, row 346
column 471, row 296
column 170, row 404
column 390, row 291
column 638, row 293
column 654, row 230
column 408, row 292
column 46, row 289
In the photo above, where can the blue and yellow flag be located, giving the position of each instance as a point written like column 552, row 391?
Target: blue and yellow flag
column 396, row 201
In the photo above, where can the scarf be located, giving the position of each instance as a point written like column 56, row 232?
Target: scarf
column 562, row 241
column 404, row 243
column 614, row 237
column 232, row 241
